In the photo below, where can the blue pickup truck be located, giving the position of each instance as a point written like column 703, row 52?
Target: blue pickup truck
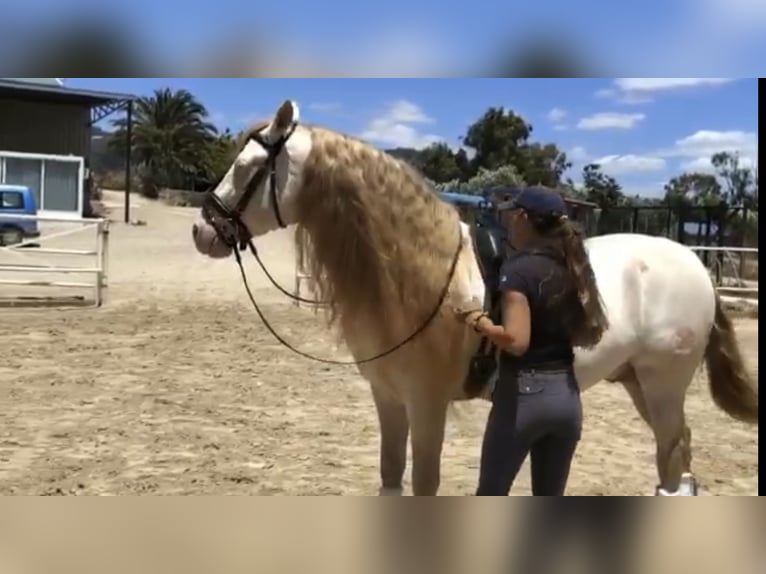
column 16, row 200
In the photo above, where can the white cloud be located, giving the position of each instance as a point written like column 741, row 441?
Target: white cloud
column 395, row 127
column 703, row 164
column 578, row 153
column 654, row 85
column 615, row 165
column 404, row 111
column 556, row 115
column 695, row 150
column 623, row 97
column 643, row 90
column 610, row 120
column 700, row 165
column 704, row 143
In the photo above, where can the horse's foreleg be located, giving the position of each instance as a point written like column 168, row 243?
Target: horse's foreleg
column 394, row 428
column 428, row 416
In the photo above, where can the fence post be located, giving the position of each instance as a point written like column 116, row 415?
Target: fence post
column 105, row 252
column 706, row 254
column 680, row 225
column 634, row 221
column 99, row 263
column 743, row 236
column 722, row 211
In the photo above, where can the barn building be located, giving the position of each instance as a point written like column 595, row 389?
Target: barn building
column 45, row 140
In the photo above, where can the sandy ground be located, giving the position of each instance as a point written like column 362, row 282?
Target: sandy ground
column 174, row 387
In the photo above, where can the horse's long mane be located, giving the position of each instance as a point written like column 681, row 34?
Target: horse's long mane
column 372, row 232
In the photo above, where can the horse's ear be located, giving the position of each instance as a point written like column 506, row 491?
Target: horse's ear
column 286, row 115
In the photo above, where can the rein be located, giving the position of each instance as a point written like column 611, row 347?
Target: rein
column 423, row 326
column 233, row 232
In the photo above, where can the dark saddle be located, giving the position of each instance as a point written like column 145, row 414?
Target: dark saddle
column 489, row 246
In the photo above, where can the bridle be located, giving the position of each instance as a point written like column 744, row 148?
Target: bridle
column 226, row 221
column 231, row 230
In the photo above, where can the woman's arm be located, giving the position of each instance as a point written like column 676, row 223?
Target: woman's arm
column 513, row 335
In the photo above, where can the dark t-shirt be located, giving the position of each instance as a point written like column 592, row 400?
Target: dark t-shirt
column 546, row 284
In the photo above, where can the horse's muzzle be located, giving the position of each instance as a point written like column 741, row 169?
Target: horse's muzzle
column 207, row 241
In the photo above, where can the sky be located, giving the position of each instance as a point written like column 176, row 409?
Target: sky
column 642, row 131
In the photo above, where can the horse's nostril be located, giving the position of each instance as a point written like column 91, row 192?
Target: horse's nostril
column 195, row 230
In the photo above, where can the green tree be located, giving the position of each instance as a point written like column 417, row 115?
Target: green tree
column 505, row 176
column 740, row 185
column 221, row 152
column 438, row 163
column 463, row 164
column 500, row 137
column 601, row 189
column 496, row 138
column 570, row 189
column 693, row 189
column 543, row 164
column 170, row 140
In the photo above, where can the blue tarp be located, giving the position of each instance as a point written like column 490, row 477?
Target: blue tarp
column 465, row 199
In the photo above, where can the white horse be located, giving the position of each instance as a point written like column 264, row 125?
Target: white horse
column 382, row 248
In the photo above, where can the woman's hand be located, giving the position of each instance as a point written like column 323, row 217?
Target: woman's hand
column 513, row 334
column 476, row 318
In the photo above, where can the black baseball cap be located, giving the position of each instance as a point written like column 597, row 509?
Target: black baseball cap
column 536, row 200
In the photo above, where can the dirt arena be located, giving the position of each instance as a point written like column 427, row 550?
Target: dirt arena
column 174, row 387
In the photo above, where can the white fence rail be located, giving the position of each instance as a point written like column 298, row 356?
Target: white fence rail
column 31, row 248
column 730, row 262
column 300, row 277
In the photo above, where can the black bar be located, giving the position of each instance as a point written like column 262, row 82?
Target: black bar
column 128, row 158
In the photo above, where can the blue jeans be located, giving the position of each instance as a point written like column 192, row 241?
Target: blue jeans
column 535, row 412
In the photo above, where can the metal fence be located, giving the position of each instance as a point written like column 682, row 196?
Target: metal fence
column 698, row 227
column 709, row 226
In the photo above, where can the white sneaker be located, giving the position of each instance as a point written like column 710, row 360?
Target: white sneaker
column 687, row 487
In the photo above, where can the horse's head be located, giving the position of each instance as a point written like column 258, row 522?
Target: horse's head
column 258, row 192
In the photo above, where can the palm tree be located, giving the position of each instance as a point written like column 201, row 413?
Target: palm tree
column 171, row 139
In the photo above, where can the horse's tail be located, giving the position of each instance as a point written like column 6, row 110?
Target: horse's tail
column 730, row 384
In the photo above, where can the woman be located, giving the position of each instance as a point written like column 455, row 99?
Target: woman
column 550, row 304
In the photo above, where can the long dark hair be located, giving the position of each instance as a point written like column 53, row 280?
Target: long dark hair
column 563, row 239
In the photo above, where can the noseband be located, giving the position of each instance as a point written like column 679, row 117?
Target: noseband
column 227, row 221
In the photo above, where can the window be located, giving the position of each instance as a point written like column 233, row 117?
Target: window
column 26, row 172
column 11, row 200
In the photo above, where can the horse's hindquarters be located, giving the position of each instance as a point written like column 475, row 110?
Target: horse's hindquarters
column 660, row 302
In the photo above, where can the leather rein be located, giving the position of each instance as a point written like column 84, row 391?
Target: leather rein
column 232, row 231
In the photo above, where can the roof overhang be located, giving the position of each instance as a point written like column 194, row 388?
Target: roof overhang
column 60, row 94
column 101, row 104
